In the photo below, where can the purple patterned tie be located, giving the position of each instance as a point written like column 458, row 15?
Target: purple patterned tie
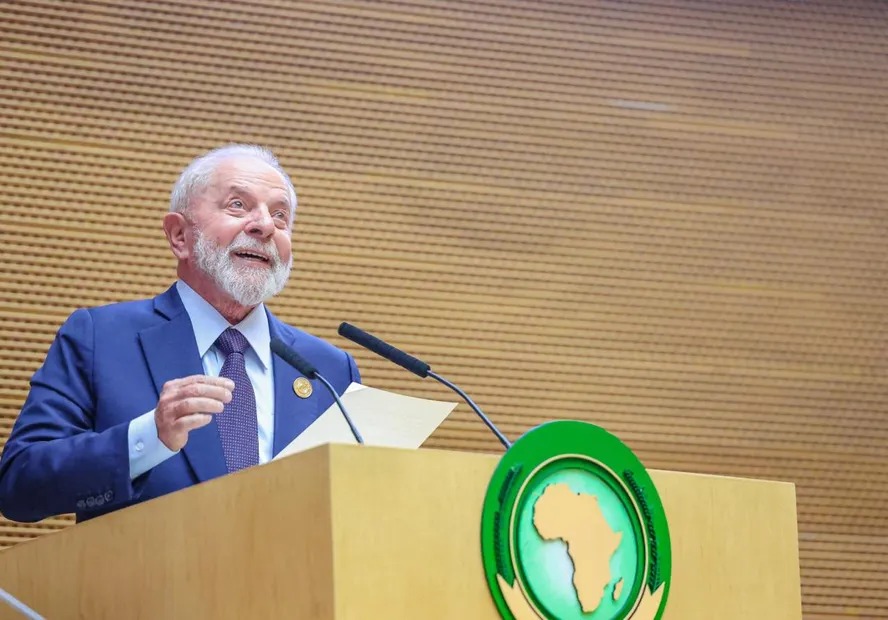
column 237, row 422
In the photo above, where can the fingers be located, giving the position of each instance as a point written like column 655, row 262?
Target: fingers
column 207, row 380
column 189, row 403
column 197, row 381
column 198, row 393
column 204, row 391
column 198, row 404
column 192, row 421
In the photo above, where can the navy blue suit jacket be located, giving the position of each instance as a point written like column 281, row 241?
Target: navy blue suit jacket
column 69, row 452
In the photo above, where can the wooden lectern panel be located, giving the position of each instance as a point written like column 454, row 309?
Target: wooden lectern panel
column 409, row 546
column 351, row 532
column 413, row 546
column 254, row 544
column 735, row 547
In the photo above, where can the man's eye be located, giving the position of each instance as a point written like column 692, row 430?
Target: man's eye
column 237, row 204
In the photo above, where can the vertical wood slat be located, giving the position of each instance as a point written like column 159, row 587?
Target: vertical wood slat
column 663, row 216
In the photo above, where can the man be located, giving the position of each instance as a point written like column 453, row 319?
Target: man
column 142, row 398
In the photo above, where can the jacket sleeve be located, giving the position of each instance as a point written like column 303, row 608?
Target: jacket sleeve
column 353, row 372
column 54, row 461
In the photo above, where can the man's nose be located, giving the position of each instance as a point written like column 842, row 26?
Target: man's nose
column 260, row 223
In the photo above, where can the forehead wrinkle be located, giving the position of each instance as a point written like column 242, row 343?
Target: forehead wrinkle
column 241, row 188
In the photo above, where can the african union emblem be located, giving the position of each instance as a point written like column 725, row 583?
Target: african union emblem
column 573, row 528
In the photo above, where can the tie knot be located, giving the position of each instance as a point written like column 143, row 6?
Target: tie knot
column 232, row 341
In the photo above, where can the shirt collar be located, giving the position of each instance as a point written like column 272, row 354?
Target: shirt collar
column 208, row 324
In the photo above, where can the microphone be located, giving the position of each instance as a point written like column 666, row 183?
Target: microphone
column 414, row 365
column 289, row 355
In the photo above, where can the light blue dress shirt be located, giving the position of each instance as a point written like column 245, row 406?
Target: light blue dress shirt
column 145, row 448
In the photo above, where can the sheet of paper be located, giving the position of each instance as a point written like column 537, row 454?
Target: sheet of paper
column 383, row 418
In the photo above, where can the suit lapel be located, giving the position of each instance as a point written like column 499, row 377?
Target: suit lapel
column 171, row 353
column 292, row 414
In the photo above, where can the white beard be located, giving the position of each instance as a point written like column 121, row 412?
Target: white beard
column 248, row 286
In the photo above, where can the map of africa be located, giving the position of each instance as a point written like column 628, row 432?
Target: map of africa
column 577, row 519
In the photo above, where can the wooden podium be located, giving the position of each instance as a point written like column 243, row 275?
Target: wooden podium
column 364, row 533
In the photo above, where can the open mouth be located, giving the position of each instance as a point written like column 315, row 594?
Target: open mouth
column 252, row 256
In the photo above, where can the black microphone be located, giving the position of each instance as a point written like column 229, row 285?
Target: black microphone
column 414, row 365
column 301, row 364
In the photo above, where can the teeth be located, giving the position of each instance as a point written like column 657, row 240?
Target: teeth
column 251, row 255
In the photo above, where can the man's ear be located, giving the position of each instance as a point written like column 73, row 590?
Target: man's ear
column 176, row 228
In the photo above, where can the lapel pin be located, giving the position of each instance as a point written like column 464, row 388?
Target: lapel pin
column 302, row 387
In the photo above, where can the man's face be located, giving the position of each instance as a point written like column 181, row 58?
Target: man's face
column 241, row 233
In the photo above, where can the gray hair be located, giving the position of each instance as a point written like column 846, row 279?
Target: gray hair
column 197, row 175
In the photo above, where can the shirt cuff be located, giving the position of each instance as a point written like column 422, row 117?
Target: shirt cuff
column 146, row 450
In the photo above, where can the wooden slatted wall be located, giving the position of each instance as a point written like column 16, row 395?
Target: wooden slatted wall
column 664, row 216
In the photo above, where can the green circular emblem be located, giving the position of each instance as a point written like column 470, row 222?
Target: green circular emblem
column 573, row 529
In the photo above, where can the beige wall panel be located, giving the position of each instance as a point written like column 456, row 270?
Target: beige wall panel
column 666, row 217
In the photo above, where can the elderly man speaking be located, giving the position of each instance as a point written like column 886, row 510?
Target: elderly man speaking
column 142, row 398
